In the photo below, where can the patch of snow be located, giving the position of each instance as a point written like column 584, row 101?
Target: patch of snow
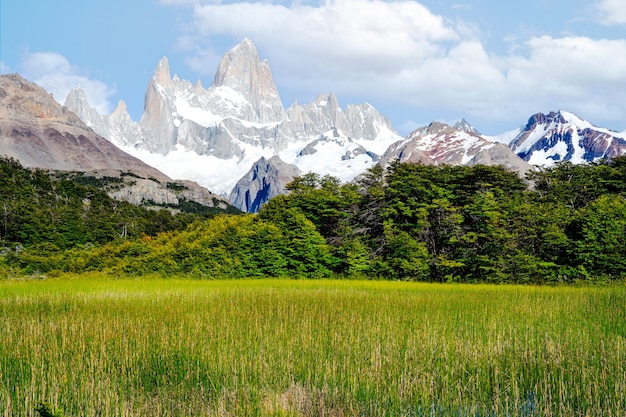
column 506, row 137
column 534, row 136
column 385, row 138
column 269, row 125
column 579, row 151
column 327, row 160
column 196, row 114
column 227, row 94
column 547, row 157
column 572, row 119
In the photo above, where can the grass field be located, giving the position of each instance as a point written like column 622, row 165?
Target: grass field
column 156, row 347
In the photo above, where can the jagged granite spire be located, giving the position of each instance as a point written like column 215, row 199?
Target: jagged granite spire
column 76, row 101
column 157, row 116
column 162, row 73
column 242, row 71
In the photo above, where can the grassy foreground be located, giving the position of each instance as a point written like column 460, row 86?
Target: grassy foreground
column 97, row 347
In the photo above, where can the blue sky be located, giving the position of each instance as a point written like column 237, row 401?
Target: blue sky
column 491, row 62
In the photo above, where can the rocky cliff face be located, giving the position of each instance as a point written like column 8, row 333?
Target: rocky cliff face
column 266, row 179
column 562, row 136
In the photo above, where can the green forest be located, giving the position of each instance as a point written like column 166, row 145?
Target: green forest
column 562, row 224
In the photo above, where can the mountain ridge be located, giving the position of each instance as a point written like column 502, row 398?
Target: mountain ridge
column 40, row 133
column 218, row 135
column 237, row 121
column 563, row 136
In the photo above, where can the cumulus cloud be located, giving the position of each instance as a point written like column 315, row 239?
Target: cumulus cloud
column 54, row 73
column 335, row 36
column 401, row 52
column 612, row 12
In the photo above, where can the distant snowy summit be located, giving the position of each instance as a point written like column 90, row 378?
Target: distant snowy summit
column 563, row 136
column 237, row 139
column 460, row 144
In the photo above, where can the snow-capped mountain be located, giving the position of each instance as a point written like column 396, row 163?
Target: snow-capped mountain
column 215, row 136
column 563, row 136
column 231, row 136
column 439, row 143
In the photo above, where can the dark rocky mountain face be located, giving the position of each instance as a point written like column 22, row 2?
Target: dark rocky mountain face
column 266, row 179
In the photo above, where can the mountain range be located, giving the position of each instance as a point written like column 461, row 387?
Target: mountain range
column 215, row 136
column 237, row 139
column 40, row 133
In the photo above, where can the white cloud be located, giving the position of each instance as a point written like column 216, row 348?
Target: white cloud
column 612, row 12
column 400, row 52
column 579, row 74
column 337, row 36
column 572, row 64
column 54, row 73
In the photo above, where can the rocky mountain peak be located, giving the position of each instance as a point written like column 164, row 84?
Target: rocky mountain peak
column 545, row 119
column 464, row 125
column 162, row 73
column 563, row 136
column 435, row 128
column 239, row 67
column 121, row 116
column 439, row 127
column 266, row 179
column 157, row 113
column 76, row 95
column 242, row 71
column 76, row 101
column 19, row 97
column 121, row 108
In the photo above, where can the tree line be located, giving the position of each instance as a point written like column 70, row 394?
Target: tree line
column 565, row 223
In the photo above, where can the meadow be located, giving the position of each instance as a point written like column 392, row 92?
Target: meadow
column 93, row 346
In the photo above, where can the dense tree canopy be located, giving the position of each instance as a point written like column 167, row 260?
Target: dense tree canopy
column 565, row 223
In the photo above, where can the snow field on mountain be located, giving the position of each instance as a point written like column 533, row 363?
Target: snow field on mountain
column 217, row 175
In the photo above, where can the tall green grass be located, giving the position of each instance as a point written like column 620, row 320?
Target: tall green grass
column 96, row 347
